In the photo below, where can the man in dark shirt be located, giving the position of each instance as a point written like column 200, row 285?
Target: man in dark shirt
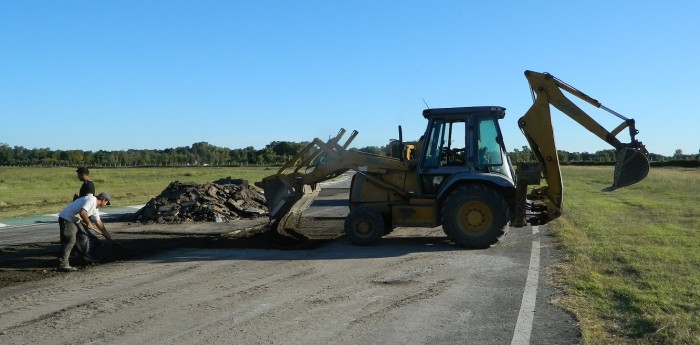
column 87, row 188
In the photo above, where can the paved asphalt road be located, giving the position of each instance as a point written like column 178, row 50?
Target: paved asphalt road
column 45, row 227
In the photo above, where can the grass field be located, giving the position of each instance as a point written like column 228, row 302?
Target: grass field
column 631, row 257
column 32, row 191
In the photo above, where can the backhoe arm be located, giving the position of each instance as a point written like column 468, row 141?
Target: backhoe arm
column 632, row 163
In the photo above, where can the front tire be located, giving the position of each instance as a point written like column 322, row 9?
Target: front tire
column 475, row 216
column 364, row 226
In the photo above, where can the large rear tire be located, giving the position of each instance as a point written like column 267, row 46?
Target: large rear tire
column 364, row 226
column 475, row 216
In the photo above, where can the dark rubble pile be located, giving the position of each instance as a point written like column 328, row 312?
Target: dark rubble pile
column 221, row 201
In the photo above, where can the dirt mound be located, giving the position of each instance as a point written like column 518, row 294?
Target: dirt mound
column 224, row 200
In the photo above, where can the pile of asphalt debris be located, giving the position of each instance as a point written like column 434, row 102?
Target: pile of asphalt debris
column 223, row 200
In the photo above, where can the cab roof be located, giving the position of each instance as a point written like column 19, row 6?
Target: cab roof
column 497, row 111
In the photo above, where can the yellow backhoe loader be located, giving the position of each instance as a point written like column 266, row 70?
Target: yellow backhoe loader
column 458, row 175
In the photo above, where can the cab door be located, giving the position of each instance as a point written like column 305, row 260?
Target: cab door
column 445, row 153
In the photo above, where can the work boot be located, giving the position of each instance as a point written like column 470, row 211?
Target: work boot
column 67, row 268
column 64, row 266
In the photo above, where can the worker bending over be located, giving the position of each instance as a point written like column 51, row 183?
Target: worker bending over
column 80, row 211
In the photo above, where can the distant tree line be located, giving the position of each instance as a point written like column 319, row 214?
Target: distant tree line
column 201, row 153
column 525, row 155
column 275, row 153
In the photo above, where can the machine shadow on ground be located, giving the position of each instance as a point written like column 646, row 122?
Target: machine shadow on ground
column 29, row 262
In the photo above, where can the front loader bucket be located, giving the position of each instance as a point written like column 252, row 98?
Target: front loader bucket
column 631, row 167
column 277, row 192
column 296, row 203
column 295, row 186
column 286, row 201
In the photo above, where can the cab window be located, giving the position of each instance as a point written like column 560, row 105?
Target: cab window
column 446, row 144
column 489, row 147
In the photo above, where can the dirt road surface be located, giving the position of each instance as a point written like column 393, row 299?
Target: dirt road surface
column 188, row 284
column 413, row 288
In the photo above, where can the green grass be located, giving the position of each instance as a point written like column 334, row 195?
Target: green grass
column 32, row 191
column 632, row 257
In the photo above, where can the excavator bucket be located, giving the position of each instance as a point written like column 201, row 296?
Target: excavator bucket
column 631, row 167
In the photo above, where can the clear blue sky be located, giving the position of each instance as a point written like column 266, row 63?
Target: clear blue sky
column 116, row 75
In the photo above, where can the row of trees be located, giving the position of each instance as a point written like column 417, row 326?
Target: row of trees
column 203, row 153
column 526, row 155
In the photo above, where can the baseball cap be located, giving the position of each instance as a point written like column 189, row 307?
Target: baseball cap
column 105, row 196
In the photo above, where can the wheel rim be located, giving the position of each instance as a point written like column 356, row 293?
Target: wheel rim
column 475, row 217
column 363, row 227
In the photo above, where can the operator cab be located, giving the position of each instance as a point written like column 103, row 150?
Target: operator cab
column 464, row 140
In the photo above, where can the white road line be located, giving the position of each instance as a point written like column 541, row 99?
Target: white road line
column 526, row 316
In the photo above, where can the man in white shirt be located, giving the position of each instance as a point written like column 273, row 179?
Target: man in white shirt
column 76, row 212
